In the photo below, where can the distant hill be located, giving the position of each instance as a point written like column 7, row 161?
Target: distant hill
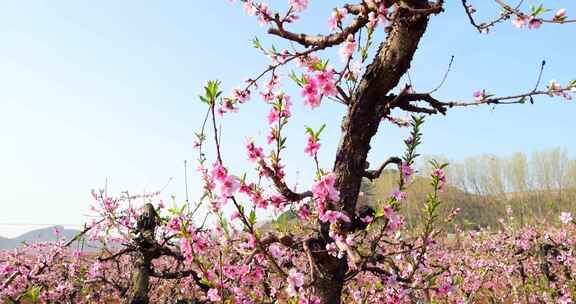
column 476, row 210
column 41, row 235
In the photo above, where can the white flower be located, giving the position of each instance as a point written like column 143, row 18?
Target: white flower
column 566, row 217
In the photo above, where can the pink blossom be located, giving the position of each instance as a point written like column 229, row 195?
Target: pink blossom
column 174, row 224
column 234, row 216
column 219, row 172
column 398, row 195
column 347, row 48
column 5, row 269
column 277, row 200
column 186, row 248
column 310, row 93
column 263, row 13
column 299, row 5
column 309, row 299
column 254, row 153
column 329, row 89
column 312, row 146
column 325, row 76
column 325, row 80
column 382, row 13
column 479, row 95
column 332, row 249
column 304, row 212
column 324, row 190
column 286, row 104
column 249, row 8
column 367, row 219
column 229, row 186
column 407, row 172
column 350, row 240
column 95, row 269
column 241, row 95
column 213, row 295
column 273, row 116
column 534, row 23
column 332, row 217
column 560, row 15
column 444, row 289
column 565, row 299
column 336, row 18
column 272, row 136
column 441, row 176
column 295, row 281
column 372, row 20
column 519, row 22
column 394, row 220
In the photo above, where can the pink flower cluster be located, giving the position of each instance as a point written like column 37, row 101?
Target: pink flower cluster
column 279, row 112
column 521, row 21
column 374, row 18
column 407, row 172
column 229, row 184
column 441, row 176
column 395, row 221
column 312, row 146
column 347, row 48
column 321, row 84
column 299, row 5
column 254, row 153
column 324, row 191
column 336, row 18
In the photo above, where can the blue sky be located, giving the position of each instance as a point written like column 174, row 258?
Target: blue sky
column 91, row 91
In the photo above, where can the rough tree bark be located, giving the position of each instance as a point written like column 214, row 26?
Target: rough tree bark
column 145, row 243
column 365, row 111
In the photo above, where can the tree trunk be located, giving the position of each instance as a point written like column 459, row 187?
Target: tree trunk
column 369, row 104
column 141, row 282
column 146, row 253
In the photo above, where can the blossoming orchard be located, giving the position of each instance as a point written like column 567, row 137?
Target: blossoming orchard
column 338, row 250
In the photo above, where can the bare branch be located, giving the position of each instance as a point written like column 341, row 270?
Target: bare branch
column 374, row 174
column 281, row 186
column 444, row 77
column 320, row 41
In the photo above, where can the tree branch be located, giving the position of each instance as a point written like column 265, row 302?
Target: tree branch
column 374, row 174
column 281, row 186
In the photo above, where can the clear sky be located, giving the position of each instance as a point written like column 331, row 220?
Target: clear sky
column 107, row 90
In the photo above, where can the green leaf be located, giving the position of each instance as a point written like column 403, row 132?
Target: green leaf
column 522, row 100
column 33, row 293
column 204, row 281
column 273, row 50
column 295, row 78
column 256, row 43
column 319, row 66
column 317, row 134
column 252, row 218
